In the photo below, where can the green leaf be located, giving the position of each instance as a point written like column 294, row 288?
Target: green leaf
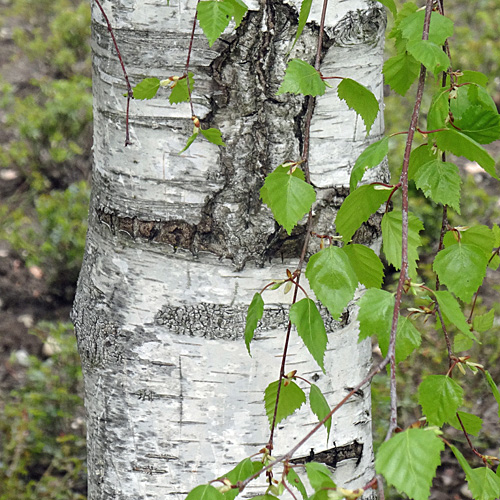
column 360, row 99
column 418, row 157
column 461, row 459
column 483, row 483
column 474, row 114
column 239, row 10
column 430, row 55
column 471, row 422
column 254, row 314
column 479, row 123
column 477, row 77
column 214, row 17
column 496, row 232
column 320, row 407
column 302, row 78
column 392, row 235
column 409, row 461
column 276, row 489
column 321, row 495
column 214, row 136
column 310, row 328
column 358, row 207
column 461, row 145
column 461, row 268
column 319, row 476
column 180, row 91
column 372, row 156
column 494, row 263
column 295, row 481
column 480, row 236
column 205, row 492
column 332, row 279
column 400, row 72
column 407, row 340
column 305, row 9
column 462, row 343
column 376, row 308
column 390, row 5
column 440, row 181
column 440, row 28
column 292, row 397
column 452, row 313
column 484, row 322
column 494, row 389
column 439, row 110
column 470, row 95
column 366, row 264
column 288, row 196
column 242, row 471
column 189, row 142
column 146, row 89
column 440, row 396
column 405, row 11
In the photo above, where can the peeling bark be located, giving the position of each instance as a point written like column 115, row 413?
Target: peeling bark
column 178, row 244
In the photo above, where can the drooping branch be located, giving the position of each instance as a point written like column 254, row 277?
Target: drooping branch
column 404, row 245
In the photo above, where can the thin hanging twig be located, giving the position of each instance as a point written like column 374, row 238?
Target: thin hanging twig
column 130, row 92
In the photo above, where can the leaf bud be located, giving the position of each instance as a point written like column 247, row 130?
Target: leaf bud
column 166, row 83
column 196, row 121
column 277, row 284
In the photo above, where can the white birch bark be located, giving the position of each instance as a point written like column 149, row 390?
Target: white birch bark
column 178, row 245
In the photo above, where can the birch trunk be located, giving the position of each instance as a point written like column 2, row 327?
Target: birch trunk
column 178, row 244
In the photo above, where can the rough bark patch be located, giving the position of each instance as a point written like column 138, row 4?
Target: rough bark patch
column 225, row 322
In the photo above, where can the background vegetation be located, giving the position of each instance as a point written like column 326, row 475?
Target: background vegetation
column 45, row 139
column 44, row 159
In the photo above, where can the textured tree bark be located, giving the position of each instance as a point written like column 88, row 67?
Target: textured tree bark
column 178, row 244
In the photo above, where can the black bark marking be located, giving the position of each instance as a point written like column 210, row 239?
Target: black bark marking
column 359, row 27
column 333, row 456
column 360, row 393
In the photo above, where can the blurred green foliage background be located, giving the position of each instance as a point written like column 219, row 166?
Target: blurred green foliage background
column 45, row 139
column 42, row 451
column 45, row 142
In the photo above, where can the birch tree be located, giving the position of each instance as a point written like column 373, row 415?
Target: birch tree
column 178, row 244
